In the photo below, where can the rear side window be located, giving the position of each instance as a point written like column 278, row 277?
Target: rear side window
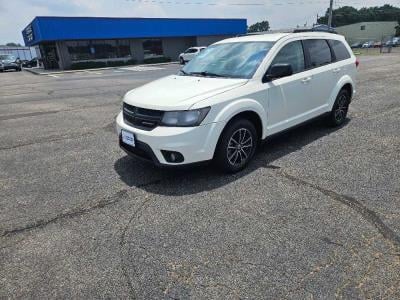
column 292, row 54
column 191, row 50
column 319, row 51
column 340, row 50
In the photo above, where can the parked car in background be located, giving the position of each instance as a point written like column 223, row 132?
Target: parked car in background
column 235, row 94
column 189, row 54
column 369, row 44
column 377, row 44
column 396, row 41
column 30, row 63
column 9, row 62
column 356, row 45
column 393, row 42
column 389, row 43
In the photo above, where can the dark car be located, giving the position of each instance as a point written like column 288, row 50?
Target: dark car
column 9, row 62
column 30, row 63
column 356, row 45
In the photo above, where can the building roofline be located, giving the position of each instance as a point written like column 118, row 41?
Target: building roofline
column 367, row 22
column 134, row 18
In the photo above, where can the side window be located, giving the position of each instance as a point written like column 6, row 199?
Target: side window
column 319, row 51
column 340, row 50
column 292, row 54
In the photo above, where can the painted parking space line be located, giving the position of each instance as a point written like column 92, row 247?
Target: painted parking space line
column 54, row 76
column 93, row 72
column 142, row 69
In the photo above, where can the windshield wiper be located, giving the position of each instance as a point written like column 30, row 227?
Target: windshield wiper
column 206, row 74
column 184, row 73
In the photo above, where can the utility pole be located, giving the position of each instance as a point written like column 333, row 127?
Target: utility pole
column 330, row 14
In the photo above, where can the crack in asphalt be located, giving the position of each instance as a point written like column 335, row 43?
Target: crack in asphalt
column 40, row 113
column 122, row 244
column 48, row 140
column 117, row 197
column 31, row 114
column 369, row 215
column 56, row 138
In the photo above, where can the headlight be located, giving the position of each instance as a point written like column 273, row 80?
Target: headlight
column 184, row 118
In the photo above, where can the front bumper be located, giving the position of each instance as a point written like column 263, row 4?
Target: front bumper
column 196, row 144
column 9, row 66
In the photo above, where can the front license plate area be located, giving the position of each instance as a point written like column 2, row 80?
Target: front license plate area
column 128, row 138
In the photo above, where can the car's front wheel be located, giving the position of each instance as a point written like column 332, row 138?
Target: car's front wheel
column 236, row 146
column 181, row 61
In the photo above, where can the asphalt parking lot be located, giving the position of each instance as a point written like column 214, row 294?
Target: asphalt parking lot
column 316, row 215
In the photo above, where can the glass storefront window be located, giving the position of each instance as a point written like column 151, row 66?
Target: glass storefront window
column 153, row 48
column 124, row 49
column 98, row 49
column 78, row 50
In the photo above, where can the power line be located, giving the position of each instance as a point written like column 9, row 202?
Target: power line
column 260, row 3
column 281, row 3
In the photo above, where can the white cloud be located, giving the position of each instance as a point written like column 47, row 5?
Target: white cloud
column 16, row 14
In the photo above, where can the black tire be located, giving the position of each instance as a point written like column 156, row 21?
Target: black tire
column 181, row 61
column 236, row 146
column 338, row 114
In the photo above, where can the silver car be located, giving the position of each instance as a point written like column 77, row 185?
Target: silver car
column 9, row 62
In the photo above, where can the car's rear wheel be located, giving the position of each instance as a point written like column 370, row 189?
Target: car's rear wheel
column 236, row 146
column 338, row 114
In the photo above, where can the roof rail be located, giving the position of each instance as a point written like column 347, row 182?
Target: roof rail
column 315, row 28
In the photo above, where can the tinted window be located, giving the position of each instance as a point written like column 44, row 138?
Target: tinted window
column 152, row 49
column 320, row 53
column 191, row 50
column 340, row 50
column 291, row 54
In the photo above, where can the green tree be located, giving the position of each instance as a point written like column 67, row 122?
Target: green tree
column 349, row 15
column 259, row 27
column 13, row 45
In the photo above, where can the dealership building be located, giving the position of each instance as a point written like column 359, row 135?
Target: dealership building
column 62, row 42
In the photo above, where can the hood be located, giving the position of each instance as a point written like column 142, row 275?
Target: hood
column 179, row 92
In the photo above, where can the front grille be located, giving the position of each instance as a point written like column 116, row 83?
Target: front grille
column 142, row 118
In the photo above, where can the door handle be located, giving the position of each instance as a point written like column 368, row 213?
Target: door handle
column 337, row 70
column 306, row 80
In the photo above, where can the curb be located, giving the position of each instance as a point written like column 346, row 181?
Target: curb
column 99, row 69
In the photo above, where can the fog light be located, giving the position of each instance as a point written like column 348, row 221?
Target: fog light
column 172, row 157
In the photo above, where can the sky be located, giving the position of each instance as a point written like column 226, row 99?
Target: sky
column 15, row 15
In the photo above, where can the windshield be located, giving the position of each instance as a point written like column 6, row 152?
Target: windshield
column 7, row 57
column 231, row 60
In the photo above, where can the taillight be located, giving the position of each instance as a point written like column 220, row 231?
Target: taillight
column 357, row 63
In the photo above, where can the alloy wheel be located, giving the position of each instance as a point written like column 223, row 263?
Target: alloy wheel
column 240, row 147
column 341, row 109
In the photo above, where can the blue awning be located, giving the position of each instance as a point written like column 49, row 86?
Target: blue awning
column 44, row 29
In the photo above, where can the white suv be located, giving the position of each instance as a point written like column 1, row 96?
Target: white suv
column 189, row 54
column 236, row 93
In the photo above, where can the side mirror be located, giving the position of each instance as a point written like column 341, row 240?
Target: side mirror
column 277, row 71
